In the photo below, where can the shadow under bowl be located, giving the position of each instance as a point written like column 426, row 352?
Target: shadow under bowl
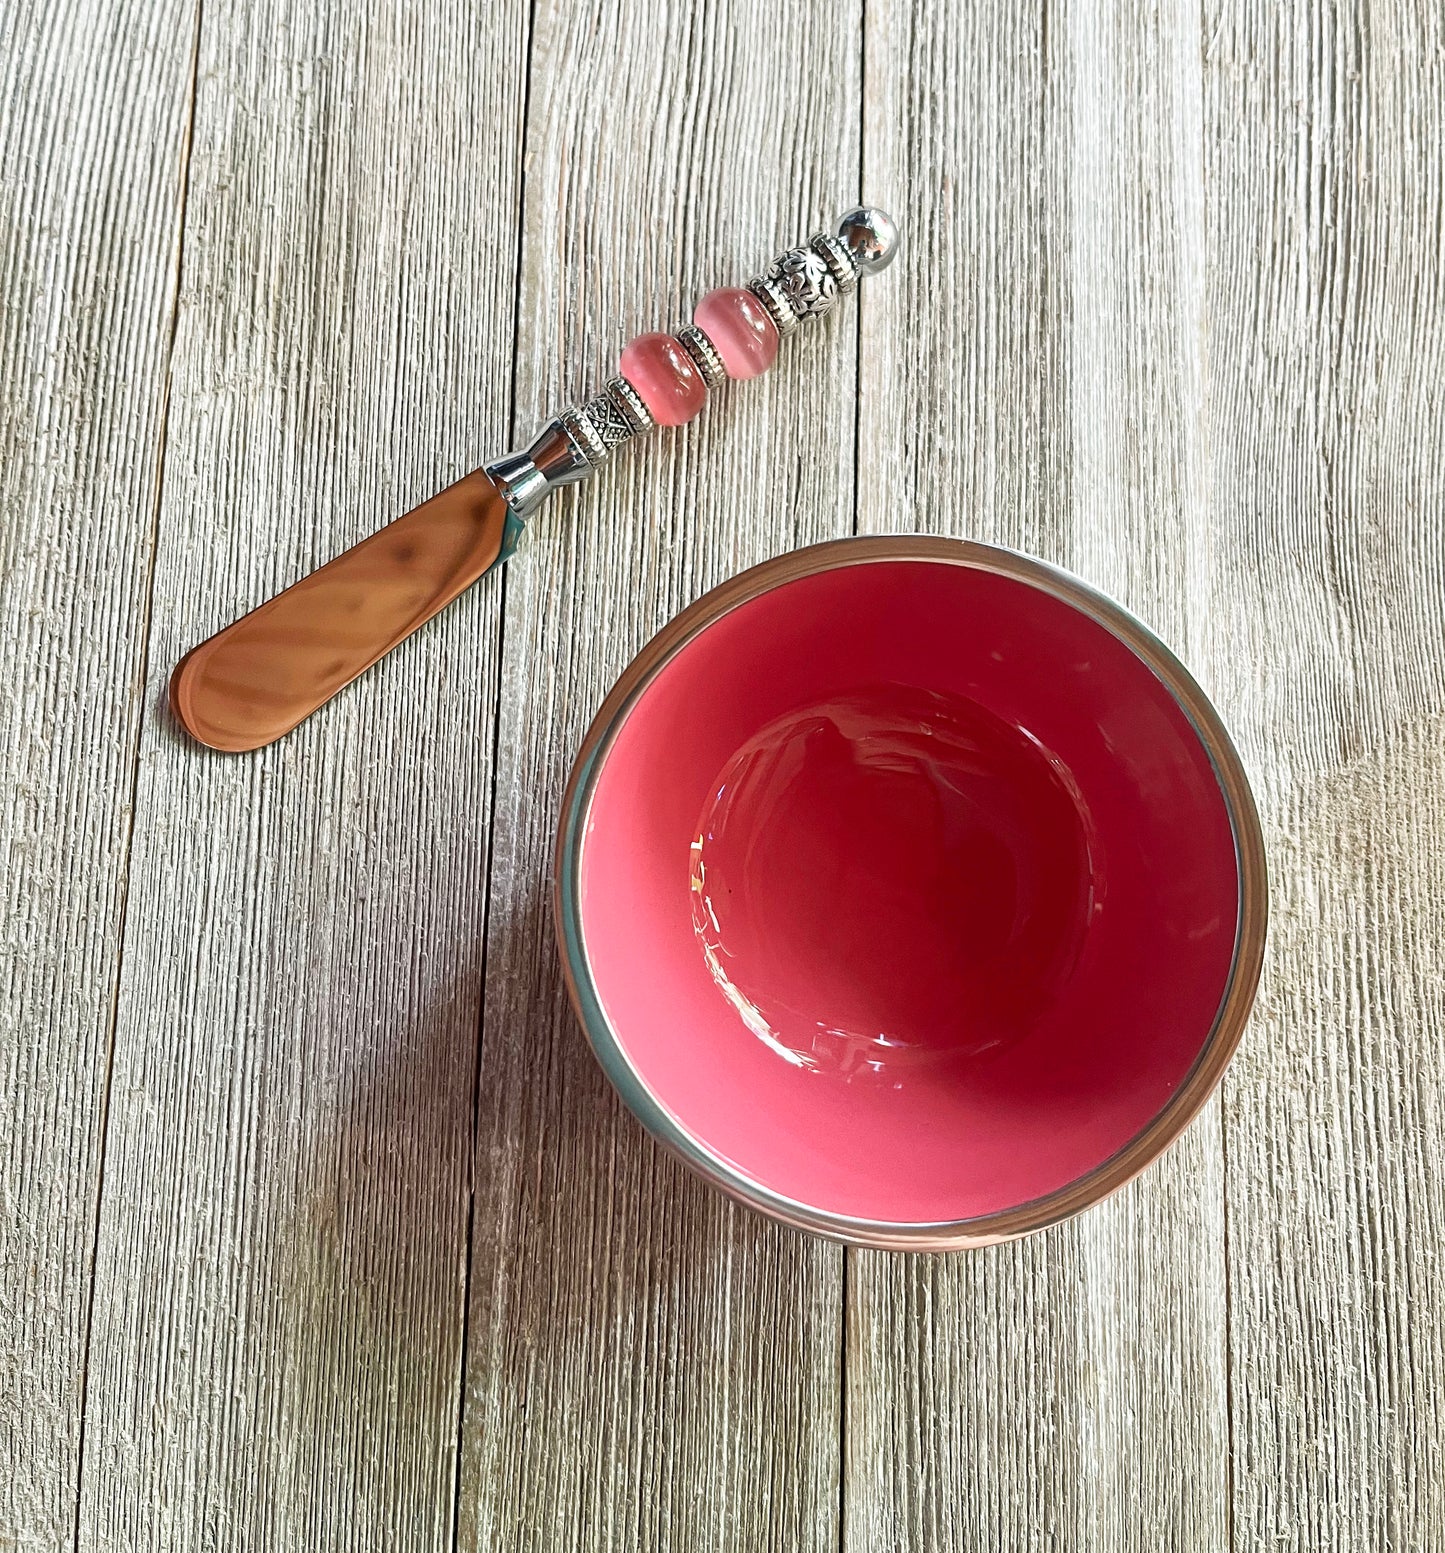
column 911, row 891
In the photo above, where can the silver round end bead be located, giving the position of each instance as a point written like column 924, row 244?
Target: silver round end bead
column 703, row 353
column 870, row 238
column 806, row 281
column 626, row 398
column 775, row 303
column 839, row 261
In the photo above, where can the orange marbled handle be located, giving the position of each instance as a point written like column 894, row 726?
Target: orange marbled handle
column 256, row 680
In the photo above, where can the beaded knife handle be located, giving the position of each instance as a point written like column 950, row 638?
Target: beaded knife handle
column 256, row 680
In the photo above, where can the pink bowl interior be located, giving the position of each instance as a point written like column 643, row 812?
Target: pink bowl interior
column 888, row 983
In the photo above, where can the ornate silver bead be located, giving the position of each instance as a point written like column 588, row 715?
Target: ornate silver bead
column 629, row 401
column 870, row 237
column 806, row 281
column 604, row 415
column 838, row 259
column 579, row 425
column 779, row 309
column 703, row 353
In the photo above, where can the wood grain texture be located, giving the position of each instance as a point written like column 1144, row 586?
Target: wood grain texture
column 1033, row 377
column 93, row 112
column 279, row 1283
column 1170, row 312
column 648, row 1366
column 1325, row 203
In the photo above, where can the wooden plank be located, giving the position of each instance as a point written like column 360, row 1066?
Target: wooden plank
column 648, row 1366
column 94, row 104
column 1327, row 603
column 1033, row 378
column 279, row 1286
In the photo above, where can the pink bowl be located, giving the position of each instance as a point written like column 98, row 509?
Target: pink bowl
column 911, row 891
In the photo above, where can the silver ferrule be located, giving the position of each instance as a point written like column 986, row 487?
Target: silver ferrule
column 553, row 460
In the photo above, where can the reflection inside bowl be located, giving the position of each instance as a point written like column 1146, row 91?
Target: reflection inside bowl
column 892, row 879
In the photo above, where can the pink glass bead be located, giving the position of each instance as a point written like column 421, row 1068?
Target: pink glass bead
column 663, row 373
column 739, row 326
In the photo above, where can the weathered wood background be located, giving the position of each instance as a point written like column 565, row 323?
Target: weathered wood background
column 320, row 1228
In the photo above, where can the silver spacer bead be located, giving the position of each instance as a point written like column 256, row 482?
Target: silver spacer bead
column 703, row 353
column 838, row 259
column 608, row 421
column 806, row 281
column 590, row 443
column 629, row 401
column 778, row 308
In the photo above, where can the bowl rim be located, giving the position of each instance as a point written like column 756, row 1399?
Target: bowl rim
column 1236, row 1001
